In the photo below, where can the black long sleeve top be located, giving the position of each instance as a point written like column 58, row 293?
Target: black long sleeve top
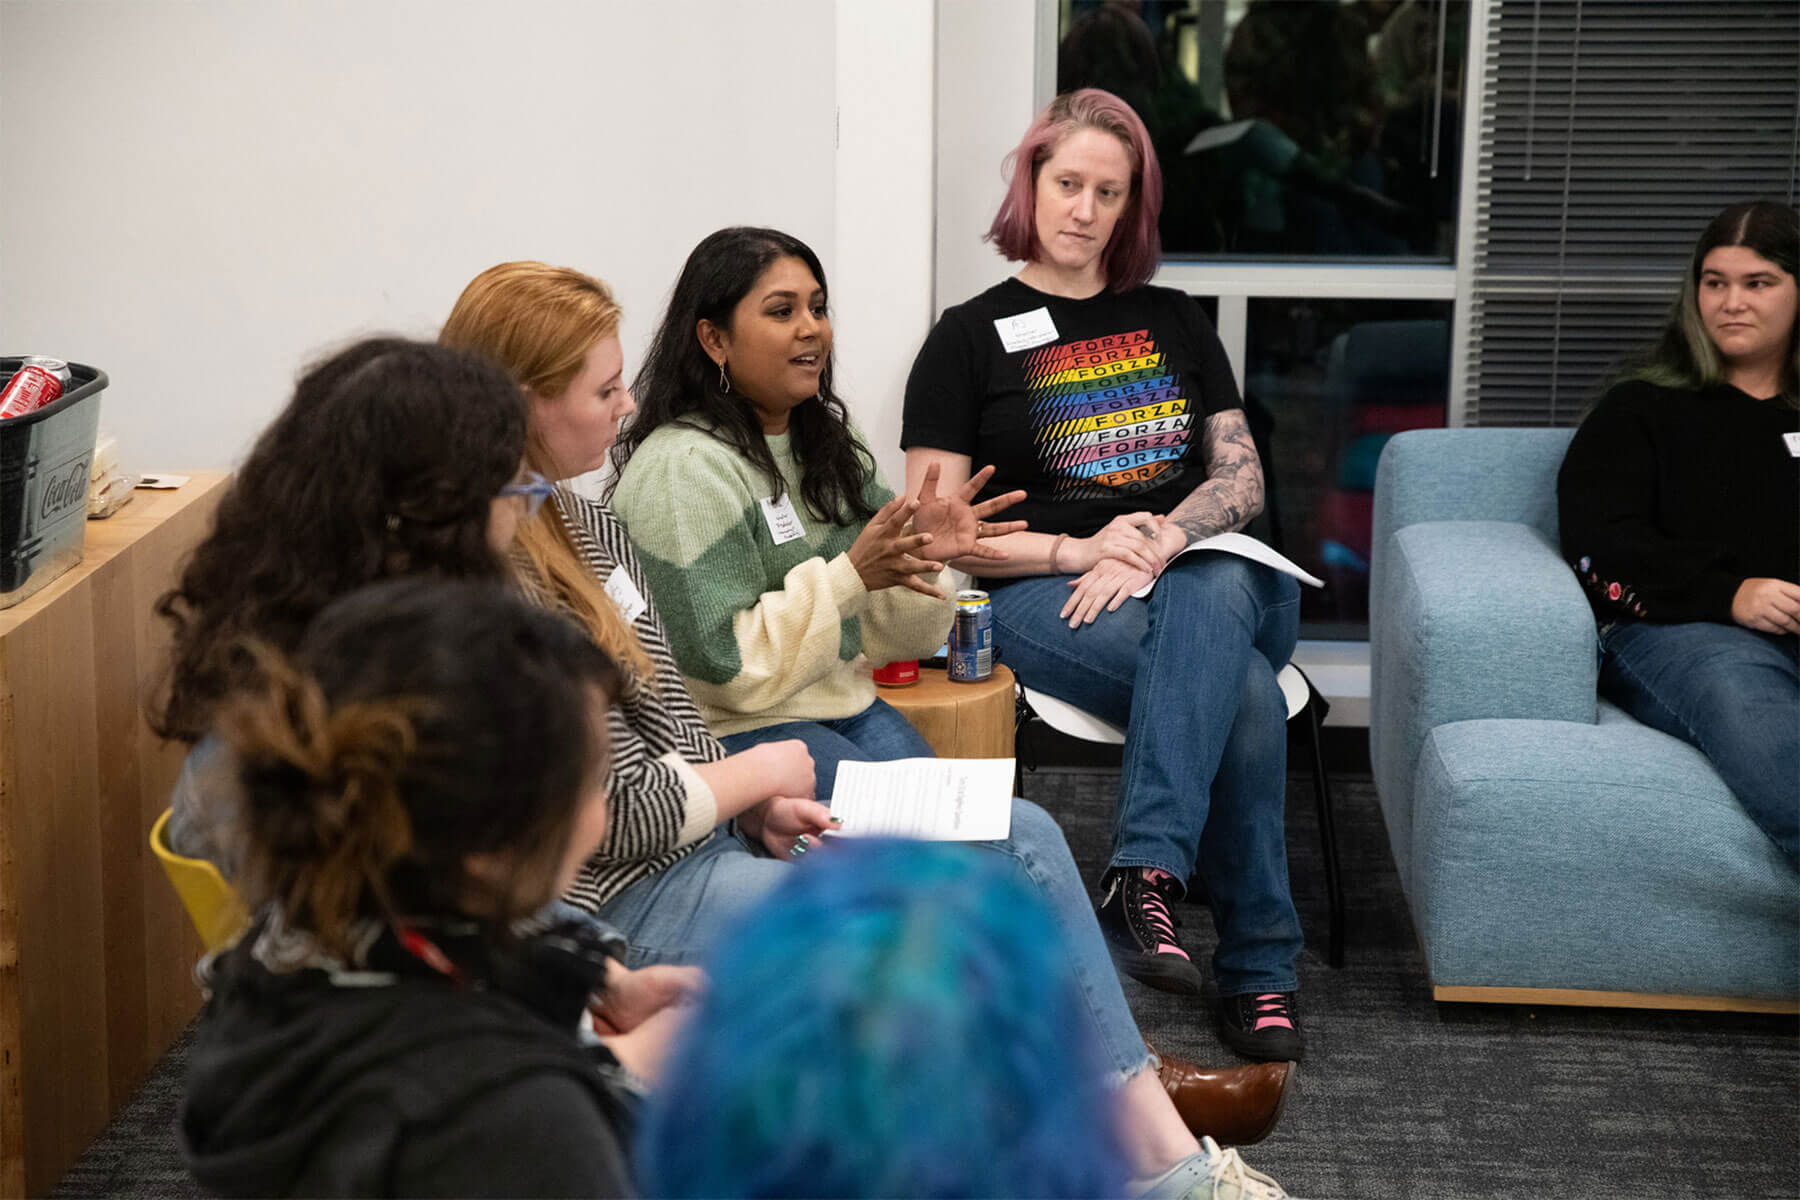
column 1670, row 498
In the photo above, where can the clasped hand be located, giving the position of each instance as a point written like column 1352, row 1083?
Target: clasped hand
column 1129, row 552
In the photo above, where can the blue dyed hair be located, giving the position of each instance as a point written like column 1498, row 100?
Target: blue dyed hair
column 897, row 1019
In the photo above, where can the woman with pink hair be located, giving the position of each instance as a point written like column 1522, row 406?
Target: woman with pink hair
column 1110, row 403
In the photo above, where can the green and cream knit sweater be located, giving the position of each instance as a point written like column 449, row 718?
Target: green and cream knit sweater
column 763, row 633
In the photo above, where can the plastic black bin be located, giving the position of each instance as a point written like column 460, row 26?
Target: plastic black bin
column 44, row 461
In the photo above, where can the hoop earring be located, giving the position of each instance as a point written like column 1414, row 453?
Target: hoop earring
column 724, row 381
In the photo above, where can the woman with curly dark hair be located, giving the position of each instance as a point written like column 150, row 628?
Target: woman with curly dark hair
column 393, row 458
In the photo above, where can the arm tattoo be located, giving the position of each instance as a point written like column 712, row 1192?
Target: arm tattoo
column 1232, row 495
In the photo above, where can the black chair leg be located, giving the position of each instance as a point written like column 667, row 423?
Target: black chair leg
column 1023, row 721
column 1334, row 887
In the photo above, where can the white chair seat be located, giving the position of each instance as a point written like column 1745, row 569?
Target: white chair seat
column 1075, row 722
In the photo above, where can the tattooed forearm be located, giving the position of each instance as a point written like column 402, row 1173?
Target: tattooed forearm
column 1232, row 495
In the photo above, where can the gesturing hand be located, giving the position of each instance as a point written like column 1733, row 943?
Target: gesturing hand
column 882, row 553
column 1767, row 606
column 956, row 525
column 1105, row 587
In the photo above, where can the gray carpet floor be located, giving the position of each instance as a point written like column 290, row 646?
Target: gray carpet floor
column 1399, row 1096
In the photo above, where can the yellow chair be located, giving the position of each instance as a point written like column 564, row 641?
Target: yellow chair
column 212, row 904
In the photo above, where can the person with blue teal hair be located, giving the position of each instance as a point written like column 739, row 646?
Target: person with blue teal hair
column 899, row 1019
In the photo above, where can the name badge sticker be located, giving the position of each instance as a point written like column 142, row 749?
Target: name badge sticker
column 1793, row 444
column 1026, row 330
column 625, row 595
column 783, row 521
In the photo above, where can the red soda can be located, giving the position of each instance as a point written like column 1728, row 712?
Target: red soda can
column 37, row 382
column 904, row 673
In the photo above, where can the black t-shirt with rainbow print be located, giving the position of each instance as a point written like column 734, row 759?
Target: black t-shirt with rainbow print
column 1095, row 407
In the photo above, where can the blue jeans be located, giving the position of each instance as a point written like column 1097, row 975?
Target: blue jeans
column 876, row 734
column 1189, row 672
column 1731, row 693
column 675, row 915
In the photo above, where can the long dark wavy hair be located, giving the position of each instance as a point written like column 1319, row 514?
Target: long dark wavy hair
column 1685, row 356
column 678, row 381
column 419, row 721
column 385, row 462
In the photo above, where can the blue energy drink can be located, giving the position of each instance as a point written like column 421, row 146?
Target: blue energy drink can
column 972, row 638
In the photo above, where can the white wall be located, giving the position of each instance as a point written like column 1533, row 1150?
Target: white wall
column 203, row 194
column 881, row 281
column 985, row 99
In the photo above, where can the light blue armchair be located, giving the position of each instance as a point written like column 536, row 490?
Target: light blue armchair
column 1552, row 848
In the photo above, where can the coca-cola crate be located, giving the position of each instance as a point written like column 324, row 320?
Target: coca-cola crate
column 44, row 461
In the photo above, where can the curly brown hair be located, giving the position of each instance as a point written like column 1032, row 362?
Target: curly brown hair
column 385, row 462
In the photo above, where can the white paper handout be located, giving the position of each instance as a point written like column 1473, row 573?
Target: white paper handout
column 931, row 799
column 1244, row 546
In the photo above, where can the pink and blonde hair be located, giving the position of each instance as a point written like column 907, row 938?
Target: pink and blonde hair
column 1131, row 256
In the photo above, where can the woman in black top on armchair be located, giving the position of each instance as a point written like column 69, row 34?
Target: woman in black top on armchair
column 1680, row 512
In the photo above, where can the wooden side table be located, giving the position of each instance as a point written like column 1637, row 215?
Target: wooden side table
column 96, row 954
column 960, row 720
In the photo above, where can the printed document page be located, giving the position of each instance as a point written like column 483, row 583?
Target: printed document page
column 1244, row 546
column 931, row 799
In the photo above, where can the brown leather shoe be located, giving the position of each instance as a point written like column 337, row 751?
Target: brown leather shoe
column 1235, row 1106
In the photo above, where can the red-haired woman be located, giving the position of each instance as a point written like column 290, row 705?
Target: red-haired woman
column 1110, row 403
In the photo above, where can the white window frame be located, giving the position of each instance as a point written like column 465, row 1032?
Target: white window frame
column 1340, row 669
column 1237, row 283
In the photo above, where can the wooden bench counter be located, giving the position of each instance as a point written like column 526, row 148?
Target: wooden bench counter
column 96, row 953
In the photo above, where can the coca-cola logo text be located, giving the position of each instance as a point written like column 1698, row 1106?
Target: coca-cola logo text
column 65, row 487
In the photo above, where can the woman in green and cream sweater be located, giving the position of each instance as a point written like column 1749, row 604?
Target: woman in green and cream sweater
column 782, row 565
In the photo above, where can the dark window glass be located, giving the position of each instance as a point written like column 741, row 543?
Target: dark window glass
column 1288, row 129
column 1326, row 383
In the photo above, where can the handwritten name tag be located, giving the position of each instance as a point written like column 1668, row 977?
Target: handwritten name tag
column 1026, row 330
column 783, row 521
column 625, row 595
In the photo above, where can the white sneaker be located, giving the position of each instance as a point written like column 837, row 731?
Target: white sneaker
column 1212, row 1174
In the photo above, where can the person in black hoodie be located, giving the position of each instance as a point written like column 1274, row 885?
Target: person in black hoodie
column 413, row 788
column 1679, row 503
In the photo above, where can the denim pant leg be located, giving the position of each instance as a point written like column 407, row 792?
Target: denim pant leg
column 676, row 915
column 1731, row 693
column 1239, row 844
column 1037, row 846
column 876, row 734
column 1160, row 667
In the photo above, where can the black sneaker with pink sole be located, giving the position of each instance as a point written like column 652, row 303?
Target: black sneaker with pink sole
column 1263, row 1026
column 1140, row 931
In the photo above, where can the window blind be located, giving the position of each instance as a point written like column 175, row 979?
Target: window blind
column 1612, row 131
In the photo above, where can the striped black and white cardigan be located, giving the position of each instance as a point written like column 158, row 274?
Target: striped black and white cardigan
column 660, row 809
